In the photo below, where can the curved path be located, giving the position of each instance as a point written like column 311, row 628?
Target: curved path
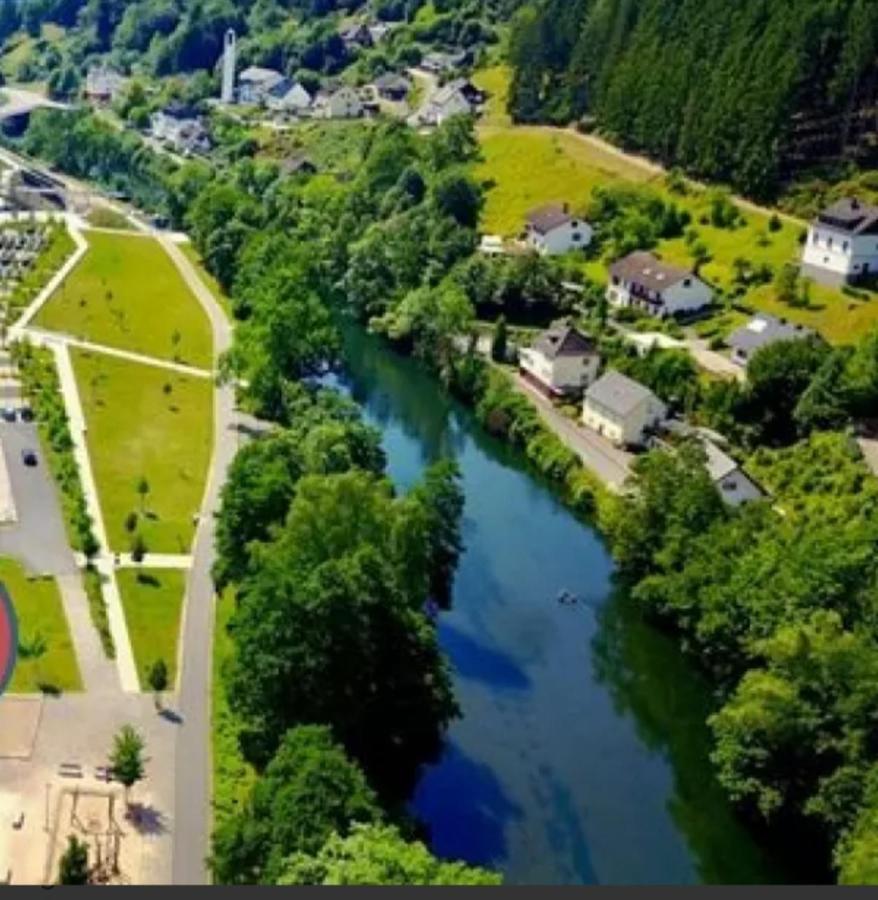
column 192, row 792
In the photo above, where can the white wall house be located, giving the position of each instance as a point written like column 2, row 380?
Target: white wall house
column 842, row 243
column 561, row 361
column 254, row 83
column 288, row 96
column 640, row 280
column 621, row 409
column 181, row 129
column 733, row 485
column 553, row 229
column 345, row 103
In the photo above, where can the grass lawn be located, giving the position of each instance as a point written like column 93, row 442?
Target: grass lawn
column 153, row 601
column 232, row 774
column 213, row 285
column 127, row 293
column 527, row 166
column 37, row 603
column 146, row 422
column 104, row 217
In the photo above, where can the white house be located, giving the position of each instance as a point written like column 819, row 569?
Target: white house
column 733, row 485
column 457, row 98
column 103, row 84
column 842, row 243
column 561, row 361
column 288, row 96
column 345, row 103
column 254, row 83
column 621, row 409
column 761, row 331
column 180, row 128
column 553, row 229
column 640, row 280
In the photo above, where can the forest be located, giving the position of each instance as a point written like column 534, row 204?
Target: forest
column 748, row 93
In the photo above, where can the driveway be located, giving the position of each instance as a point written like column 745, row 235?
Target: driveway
column 38, row 539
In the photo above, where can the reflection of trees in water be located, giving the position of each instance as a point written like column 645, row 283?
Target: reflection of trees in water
column 669, row 701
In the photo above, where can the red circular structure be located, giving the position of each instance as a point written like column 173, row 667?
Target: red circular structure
column 8, row 638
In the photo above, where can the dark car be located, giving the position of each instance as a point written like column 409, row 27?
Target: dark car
column 8, row 414
column 29, row 457
column 26, row 414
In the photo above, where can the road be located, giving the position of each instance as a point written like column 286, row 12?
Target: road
column 610, row 464
column 192, row 803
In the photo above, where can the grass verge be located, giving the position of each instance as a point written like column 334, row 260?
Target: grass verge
column 146, row 423
column 97, row 609
column 153, row 601
column 46, row 659
column 189, row 251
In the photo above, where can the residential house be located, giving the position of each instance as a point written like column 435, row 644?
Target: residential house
column 254, row 84
column 345, row 103
column 181, row 129
column 288, row 96
column 640, row 280
column 562, row 361
column 437, row 63
column 297, row 164
column 103, row 84
column 457, row 98
column 761, row 331
column 553, row 229
column 358, row 35
column 391, row 86
column 380, row 30
column 842, row 243
column 732, row 483
column 621, row 409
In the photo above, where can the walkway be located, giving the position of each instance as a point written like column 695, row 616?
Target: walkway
column 610, row 464
column 194, row 763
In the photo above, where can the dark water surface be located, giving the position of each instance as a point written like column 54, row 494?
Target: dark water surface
column 581, row 755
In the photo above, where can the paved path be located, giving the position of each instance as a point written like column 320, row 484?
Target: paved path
column 124, row 656
column 155, row 561
column 869, row 448
column 194, row 764
column 610, row 464
column 46, row 338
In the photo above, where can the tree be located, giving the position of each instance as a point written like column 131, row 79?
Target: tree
column 157, row 679
column 499, row 341
column 459, row 197
column 126, row 759
column 786, row 284
column 142, row 491
column 73, row 865
column 377, row 854
column 138, row 547
column 308, row 791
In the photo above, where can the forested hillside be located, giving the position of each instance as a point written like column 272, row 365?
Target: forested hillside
column 748, row 92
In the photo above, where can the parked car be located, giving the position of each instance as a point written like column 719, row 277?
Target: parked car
column 8, row 414
column 29, row 457
column 26, row 414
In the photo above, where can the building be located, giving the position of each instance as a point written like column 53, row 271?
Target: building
column 393, row 87
column 344, row 103
column 642, row 281
column 181, row 129
column 732, row 483
column 842, row 243
column 230, row 62
column 288, row 96
column 621, row 409
column 553, row 229
column 103, row 84
column 457, row 98
column 562, row 361
column 298, row 164
column 761, row 331
column 437, row 63
column 380, row 30
column 358, row 35
column 254, row 84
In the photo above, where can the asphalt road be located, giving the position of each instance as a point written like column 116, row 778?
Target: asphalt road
column 38, row 539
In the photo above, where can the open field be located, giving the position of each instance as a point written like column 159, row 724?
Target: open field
column 527, row 166
column 127, row 293
column 153, row 601
column 144, row 422
column 37, row 603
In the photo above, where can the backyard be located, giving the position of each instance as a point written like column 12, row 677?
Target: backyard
column 153, row 600
column 149, row 438
column 46, row 659
column 127, row 293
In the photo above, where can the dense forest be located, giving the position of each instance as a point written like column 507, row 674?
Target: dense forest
column 747, row 92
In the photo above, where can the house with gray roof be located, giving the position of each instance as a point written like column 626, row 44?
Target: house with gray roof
column 562, row 361
column 621, row 409
column 842, row 243
column 761, row 331
column 642, row 280
column 254, row 84
column 554, row 229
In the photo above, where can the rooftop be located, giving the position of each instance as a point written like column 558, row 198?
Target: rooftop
column 266, row 78
column 764, row 329
column 563, row 340
column 646, row 270
column 547, row 218
column 851, row 215
column 618, row 392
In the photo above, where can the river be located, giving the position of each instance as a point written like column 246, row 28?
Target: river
column 581, row 752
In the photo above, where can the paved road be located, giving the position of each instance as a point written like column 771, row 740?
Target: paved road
column 193, row 760
column 611, row 465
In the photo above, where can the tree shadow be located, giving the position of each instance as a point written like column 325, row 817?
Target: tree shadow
column 146, row 820
column 169, row 715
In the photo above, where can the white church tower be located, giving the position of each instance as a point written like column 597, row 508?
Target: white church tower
column 229, row 63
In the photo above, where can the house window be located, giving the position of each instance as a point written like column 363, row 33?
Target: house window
column 844, row 246
column 616, row 279
column 577, row 237
column 829, row 243
column 687, row 282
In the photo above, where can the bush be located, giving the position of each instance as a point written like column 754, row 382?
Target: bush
column 97, row 608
